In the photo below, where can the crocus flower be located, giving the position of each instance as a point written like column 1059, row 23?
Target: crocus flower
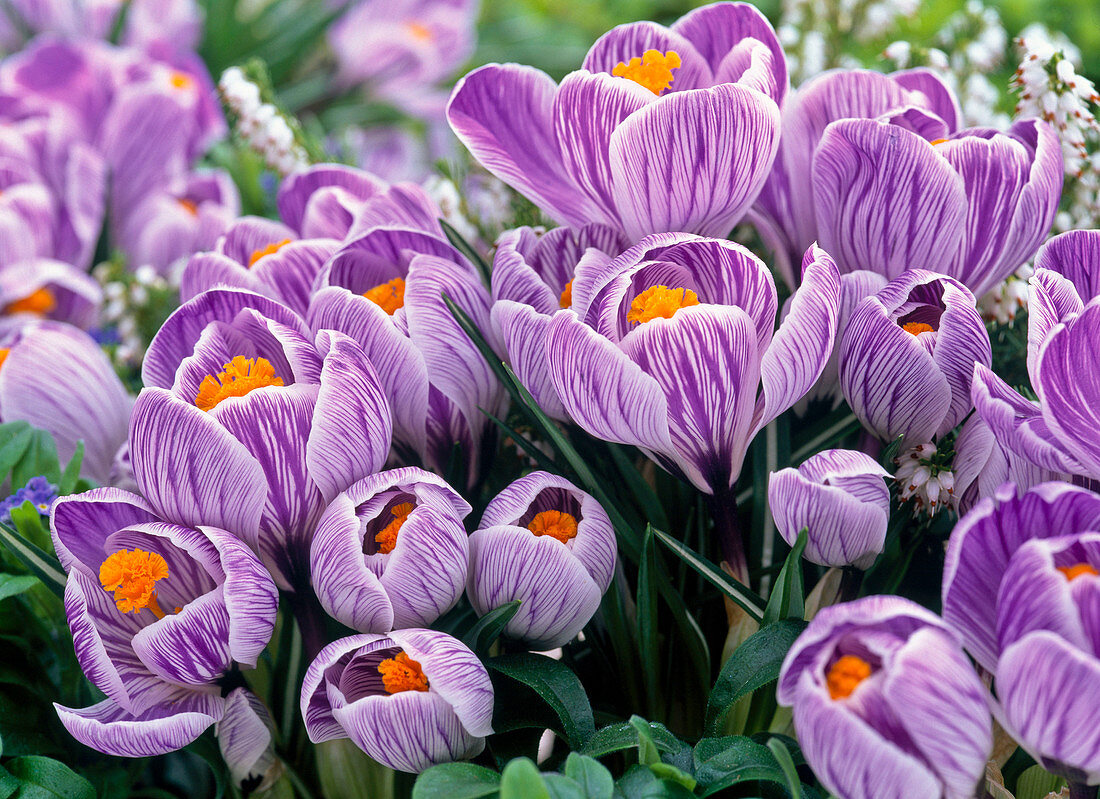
column 907, row 355
column 566, row 545
column 409, row 699
column 533, row 280
column 160, row 614
column 670, row 342
column 663, row 129
column 42, row 288
column 384, row 289
column 784, row 211
column 1049, row 667
column 1075, row 255
column 840, row 498
column 973, row 205
column 985, row 540
column 886, row 703
column 391, row 552
column 56, row 377
column 246, row 739
column 246, row 424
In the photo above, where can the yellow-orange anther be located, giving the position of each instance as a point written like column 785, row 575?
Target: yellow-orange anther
column 190, row 206
column 916, row 328
column 934, row 142
column 659, row 302
column 181, row 80
column 402, row 673
column 422, row 33
column 1077, row 570
column 566, row 300
column 846, row 674
column 653, row 70
column 241, row 375
column 554, row 523
column 387, row 539
column 4, row 352
column 270, row 249
column 39, row 302
column 132, row 574
column 388, row 296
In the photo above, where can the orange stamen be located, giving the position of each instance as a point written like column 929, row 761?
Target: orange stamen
column 181, row 80
column 934, row 142
column 388, row 296
column 659, row 302
column 554, row 523
column 270, row 249
column 653, row 70
column 1078, row 570
column 132, row 575
column 190, row 206
column 4, row 353
column 387, row 539
column 419, row 32
column 846, row 674
column 566, row 300
column 39, row 303
column 916, row 328
column 241, row 375
column 402, row 673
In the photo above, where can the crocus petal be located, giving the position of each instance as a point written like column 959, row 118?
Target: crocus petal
column 941, row 101
column 1075, row 255
column 253, row 234
column 426, row 572
column 190, row 647
column 310, row 201
column 81, row 523
column 244, row 735
column 207, row 270
column 962, row 342
column 314, row 704
column 108, row 728
column 1052, row 299
column 291, row 271
column 524, row 331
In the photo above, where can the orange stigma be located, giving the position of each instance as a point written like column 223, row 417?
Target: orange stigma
column 653, row 70
column 4, row 353
column 422, row 33
column 916, row 328
column 241, row 375
column 387, row 539
column 270, row 249
column 132, row 575
column 659, row 302
column 566, row 300
column 181, row 80
column 846, row 674
column 934, row 142
column 554, row 523
column 190, row 206
column 39, row 303
column 1078, row 570
column 388, row 296
column 402, row 673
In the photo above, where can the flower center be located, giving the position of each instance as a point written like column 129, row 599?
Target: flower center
column 132, row 574
column 181, row 80
column 402, row 673
column 554, row 523
column 39, row 302
column 916, row 328
column 846, row 674
column 241, row 375
column 190, row 206
column 1078, row 570
column 653, row 70
column 270, row 249
column 387, row 539
column 659, row 302
column 421, row 33
column 566, row 300
column 388, row 296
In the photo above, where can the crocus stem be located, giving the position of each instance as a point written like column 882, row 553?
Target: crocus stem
column 727, row 525
column 311, row 621
column 1078, row 790
column 850, row 581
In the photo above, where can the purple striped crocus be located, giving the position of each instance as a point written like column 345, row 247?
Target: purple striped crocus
column 42, row 288
column 409, row 699
column 548, row 544
column 907, row 355
column 672, row 347
column 248, row 424
column 840, row 498
column 160, row 614
column 662, row 129
column 886, row 703
column 391, row 552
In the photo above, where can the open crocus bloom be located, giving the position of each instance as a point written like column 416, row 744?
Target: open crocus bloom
column 160, row 614
column 669, row 344
column 907, row 355
column 886, row 703
column 246, row 424
column 409, row 699
column 391, row 551
column 901, row 192
column 663, row 129
column 566, row 544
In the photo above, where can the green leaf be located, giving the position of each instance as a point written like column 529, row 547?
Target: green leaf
column 783, row 757
column 646, row 615
column 44, row 777
column 489, row 627
column 456, row 781
column 14, row 584
column 590, row 774
column 206, row 747
column 667, row 771
column 521, row 780
column 560, row 787
column 788, row 598
column 29, row 523
column 726, row 761
column 72, row 471
column 559, row 688
column 41, row 564
column 647, row 749
column 752, row 665
column 617, row 737
column 740, row 594
column 16, row 438
column 473, row 256
column 1036, row 783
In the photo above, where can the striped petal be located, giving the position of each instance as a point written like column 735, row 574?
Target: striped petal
column 81, row 523
column 1076, row 256
column 190, row 647
column 110, row 729
column 250, row 596
column 524, row 331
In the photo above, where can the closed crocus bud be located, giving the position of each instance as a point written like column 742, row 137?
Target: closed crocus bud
column 548, row 544
column 391, row 551
column 907, row 356
column 409, row 699
column 1048, row 675
column 246, row 739
column 886, row 703
column 840, row 498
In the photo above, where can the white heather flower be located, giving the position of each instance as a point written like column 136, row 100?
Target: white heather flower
column 1003, row 302
column 261, row 125
column 922, row 479
column 445, row 194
